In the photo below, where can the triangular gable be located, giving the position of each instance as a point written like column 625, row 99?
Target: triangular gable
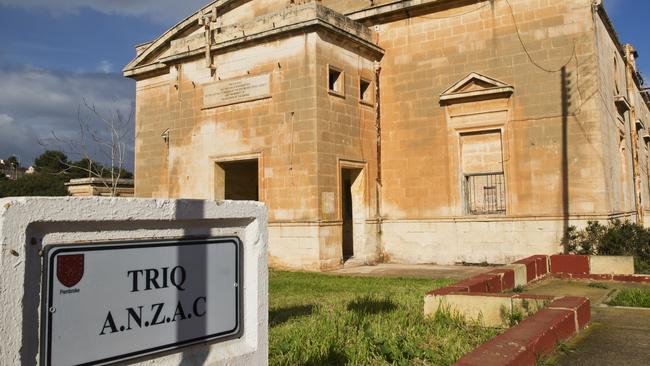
column 237, row 22
column 190, row 23
column 475, row 85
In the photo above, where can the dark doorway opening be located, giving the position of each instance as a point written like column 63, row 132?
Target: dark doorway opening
column 237, row 180
column 349, row 187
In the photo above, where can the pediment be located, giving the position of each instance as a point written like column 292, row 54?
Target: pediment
column 187, row 34
column 475, row 85
column 232, row 23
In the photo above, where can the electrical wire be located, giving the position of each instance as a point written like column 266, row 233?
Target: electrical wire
column 530, row 57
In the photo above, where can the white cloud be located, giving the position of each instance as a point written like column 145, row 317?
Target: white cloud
column 105, row 67
column 157, row 9
column 5, row 120
column 36, row 102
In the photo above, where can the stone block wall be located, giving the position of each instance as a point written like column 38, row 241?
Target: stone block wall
column 543, row 89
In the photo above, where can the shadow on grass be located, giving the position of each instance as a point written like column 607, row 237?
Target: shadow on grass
column 332, row 357
column 282, row 315
column 368, row 305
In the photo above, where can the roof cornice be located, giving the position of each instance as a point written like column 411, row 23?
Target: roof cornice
column 302, row 18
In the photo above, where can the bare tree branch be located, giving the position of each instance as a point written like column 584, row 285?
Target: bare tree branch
column 108, row 141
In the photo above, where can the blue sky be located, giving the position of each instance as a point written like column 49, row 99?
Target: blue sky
column 54, row 53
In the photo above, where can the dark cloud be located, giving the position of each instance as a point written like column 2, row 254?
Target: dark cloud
column 36, row 102
column 164, row 10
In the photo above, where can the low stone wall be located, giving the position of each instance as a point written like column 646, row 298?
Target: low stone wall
column 500, row 240
column 549, row 319
column 496, row 240
column 481, row 297
column 591, row 264
column 534, row 336
column 30, row 225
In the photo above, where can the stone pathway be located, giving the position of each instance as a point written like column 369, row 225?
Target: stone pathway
column 616, row 336
column 417, row 270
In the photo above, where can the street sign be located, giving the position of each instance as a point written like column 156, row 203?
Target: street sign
column 107, row 302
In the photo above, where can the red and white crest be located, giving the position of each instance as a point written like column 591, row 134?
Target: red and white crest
column 70, row 269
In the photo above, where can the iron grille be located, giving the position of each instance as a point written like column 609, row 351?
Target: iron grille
column 485, row 194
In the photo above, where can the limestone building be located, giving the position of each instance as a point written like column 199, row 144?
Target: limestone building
column 413, row 131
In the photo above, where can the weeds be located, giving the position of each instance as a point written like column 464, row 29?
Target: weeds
column 512, row 317
column 632, row 297
column 519, row 289
column 598, row 285
column 318, row 319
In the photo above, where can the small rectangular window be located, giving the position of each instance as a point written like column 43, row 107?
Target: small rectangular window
column 335, row 81
column 365, row 91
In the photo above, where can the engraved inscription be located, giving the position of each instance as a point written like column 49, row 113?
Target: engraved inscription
column 229, row 92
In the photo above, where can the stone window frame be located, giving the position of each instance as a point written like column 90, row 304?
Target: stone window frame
column 339, row 86
column 370, row 99
column 459, row 133
column 617, row 81
column 256, row 155
column 455, row 94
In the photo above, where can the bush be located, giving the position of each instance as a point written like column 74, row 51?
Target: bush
column 616, row 238
column 34, row 185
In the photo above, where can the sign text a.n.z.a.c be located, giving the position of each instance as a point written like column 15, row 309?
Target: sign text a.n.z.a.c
column 108, row 302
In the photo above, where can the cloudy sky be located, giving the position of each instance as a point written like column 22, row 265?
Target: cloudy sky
column 55, row 53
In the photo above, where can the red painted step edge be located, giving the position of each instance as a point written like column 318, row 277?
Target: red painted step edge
column 507, row 277
column 533, row 337
column 483, row 283
column 579, row 305
column 574, row 264
column 541, row 264
column 602, row 277
column 531, row 268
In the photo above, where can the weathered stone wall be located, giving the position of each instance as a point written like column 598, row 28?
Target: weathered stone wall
column 427, row 54
column 541, row 81
column 272, row 129
column 614, row 123
column 347, row 138
column 280, row 132
column 299, row 135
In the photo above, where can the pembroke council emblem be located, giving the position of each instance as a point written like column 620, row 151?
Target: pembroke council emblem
column 70, row 269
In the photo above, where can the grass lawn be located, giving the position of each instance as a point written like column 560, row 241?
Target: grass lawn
column 632, row 297
column 317, row 319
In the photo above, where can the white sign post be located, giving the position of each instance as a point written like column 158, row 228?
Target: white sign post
column 155, row 282
column 116, row 301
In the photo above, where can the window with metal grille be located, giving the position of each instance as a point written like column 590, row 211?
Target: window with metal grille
column 485, row 194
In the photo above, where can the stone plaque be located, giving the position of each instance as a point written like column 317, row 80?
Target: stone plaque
column 111, row 302
column 235, row 91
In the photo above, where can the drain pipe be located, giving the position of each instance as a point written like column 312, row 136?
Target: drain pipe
column 377, row 68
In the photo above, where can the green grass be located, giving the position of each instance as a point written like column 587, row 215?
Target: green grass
column 318, row 319
column 632, row 297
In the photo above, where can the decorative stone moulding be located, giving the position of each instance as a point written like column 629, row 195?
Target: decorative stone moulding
column 475, row 85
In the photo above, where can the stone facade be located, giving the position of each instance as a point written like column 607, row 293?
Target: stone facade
column 412, row 131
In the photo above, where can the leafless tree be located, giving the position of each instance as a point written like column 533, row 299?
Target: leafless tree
column 101, row 144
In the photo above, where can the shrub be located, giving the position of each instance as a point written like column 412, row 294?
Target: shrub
column 632, row 297
column 616, row 238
